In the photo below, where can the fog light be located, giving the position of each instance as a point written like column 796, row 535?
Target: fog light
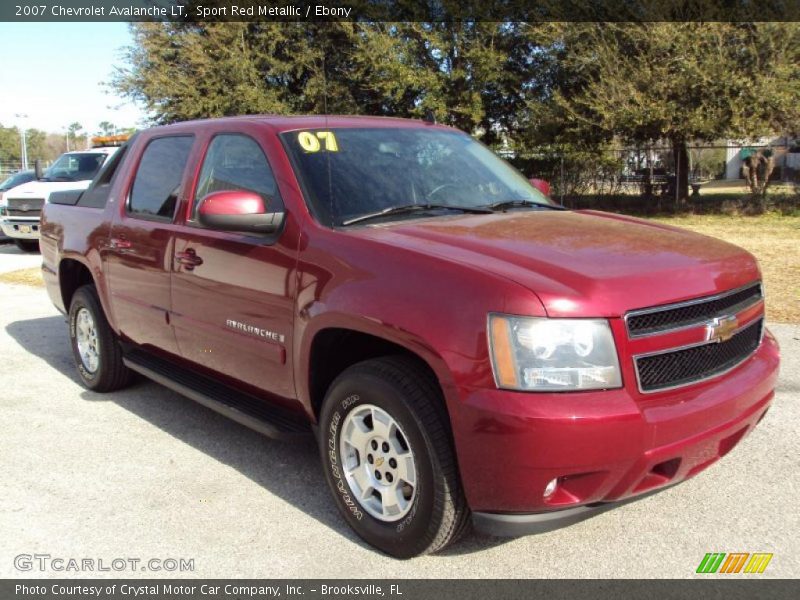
column 550, row 488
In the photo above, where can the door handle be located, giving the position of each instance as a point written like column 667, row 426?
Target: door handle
column 188, row 259
column 120, row 243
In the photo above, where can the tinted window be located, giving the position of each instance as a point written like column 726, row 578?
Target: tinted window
column 96, row 195
column 351, row 172
column 236, row 162
column 158, row 179
column 17, row 179
column 75, row 167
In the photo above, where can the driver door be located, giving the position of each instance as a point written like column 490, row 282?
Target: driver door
column 232, row 293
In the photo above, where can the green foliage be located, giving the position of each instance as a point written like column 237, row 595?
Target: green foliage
column 107, row 128
column 707, row 163
column 466, row 74
column 41, row 145
column 699, row 81
column 9, row 144
column 680, row 82
column 574, row 170
column 567, row 89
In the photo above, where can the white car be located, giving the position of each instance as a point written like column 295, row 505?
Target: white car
column 22, row 205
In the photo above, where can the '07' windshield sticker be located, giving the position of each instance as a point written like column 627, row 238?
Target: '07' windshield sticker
column 310, row 142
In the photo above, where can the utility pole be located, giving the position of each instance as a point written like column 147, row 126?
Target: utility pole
column 23, row 143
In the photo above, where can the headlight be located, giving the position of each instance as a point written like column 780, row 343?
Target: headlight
column 541, row 354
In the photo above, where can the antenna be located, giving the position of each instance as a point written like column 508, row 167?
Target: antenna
column 324, row 87
column 327, row 154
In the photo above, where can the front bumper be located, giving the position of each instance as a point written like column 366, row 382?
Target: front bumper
column 514, row 525
column 20, row 229
column 603, row 447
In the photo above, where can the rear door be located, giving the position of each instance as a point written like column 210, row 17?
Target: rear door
column 232, row 293
column 141, row 243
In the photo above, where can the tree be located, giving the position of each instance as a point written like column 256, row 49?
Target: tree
column 466, row 74
column 107, row 128
column 757, row 168
column 568, row 87
column 74, row 130
column 9, row 144
column 37, row 144
column 673, row 81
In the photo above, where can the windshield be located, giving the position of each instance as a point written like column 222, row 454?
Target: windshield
column 75, row 167
column 16, row 179
column 349, row 173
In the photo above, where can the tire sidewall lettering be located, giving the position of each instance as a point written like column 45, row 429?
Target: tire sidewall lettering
column 340, row 483
column 333, row 463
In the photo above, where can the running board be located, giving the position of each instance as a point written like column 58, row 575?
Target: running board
column 248, row 410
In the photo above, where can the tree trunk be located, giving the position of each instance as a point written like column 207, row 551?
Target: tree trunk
column 680, row 158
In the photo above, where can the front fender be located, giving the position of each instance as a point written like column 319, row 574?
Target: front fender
column 335, row 319
column 434, row 308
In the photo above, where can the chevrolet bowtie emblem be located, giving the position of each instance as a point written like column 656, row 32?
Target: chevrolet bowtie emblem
column 721, row 329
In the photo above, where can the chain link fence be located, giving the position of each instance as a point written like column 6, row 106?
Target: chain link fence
column 9, row 167
column 643, row 179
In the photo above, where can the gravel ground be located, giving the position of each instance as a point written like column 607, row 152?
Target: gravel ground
column 146, row 473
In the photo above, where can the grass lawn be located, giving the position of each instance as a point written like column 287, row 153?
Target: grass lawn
column 738, row 186
column 775, row 242
column 32, row 276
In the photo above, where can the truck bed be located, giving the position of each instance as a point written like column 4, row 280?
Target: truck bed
column 70, row 231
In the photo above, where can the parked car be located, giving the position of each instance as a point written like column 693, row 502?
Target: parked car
column 71, row 171
column 9, row 183
column 461, row 347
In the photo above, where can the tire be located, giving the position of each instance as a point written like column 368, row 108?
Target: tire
column 27, row 245
column 428, row 515
column 100, row 368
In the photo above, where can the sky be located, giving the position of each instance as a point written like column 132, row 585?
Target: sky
column 53, row 72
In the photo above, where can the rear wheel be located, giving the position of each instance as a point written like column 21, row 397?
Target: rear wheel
column 27, row 245
column 95, row 348
column 388, row 459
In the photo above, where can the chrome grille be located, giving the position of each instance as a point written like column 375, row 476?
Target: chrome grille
column 674, row 368
column 650, row 321
column 24, row 207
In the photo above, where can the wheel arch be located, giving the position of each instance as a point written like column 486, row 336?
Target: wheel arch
column 334, row 347
column 75, row 271
column 72, row 274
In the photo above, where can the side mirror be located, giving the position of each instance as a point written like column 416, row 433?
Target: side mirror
column 238, row 210
column 541, row 185
column 37, row 169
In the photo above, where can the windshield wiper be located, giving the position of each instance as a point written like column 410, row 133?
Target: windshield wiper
column 409, row 208
column 504, row 204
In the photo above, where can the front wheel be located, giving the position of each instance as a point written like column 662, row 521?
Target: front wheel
column 95, row 348
column 27, row 245
column 388, row 459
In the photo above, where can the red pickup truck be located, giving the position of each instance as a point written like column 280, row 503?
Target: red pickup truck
column 462, row 348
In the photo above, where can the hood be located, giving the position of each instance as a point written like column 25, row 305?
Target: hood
column 582, row 263
column 43, row 189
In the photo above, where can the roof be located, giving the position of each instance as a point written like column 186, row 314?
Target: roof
column 99, row 150
column 281, row 123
